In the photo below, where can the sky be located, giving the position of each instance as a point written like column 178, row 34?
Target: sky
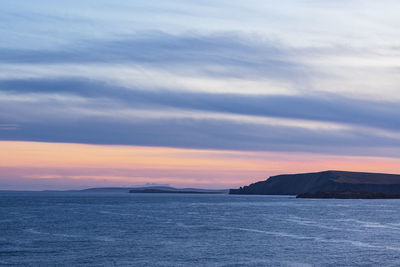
column 214, row 94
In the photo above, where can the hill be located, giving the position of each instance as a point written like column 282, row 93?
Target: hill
column 295, row 184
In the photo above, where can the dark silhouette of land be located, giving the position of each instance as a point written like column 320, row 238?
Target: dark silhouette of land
column 140, row 189
column 337, row 181
column 179, row 191
column 155, row 189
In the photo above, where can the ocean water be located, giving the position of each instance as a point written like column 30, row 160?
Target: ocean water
column 99, row 229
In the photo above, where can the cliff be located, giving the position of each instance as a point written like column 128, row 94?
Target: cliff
column 295, row 184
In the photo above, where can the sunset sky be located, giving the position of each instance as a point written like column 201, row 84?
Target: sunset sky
column 211, row 94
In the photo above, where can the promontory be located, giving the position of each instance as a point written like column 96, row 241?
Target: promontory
column 326, row 181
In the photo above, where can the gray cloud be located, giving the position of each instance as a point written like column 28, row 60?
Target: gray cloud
column 67, row 109
column 60, row 124
column 321, row 107
column 163, row 50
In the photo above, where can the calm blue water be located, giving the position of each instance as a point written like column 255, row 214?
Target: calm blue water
column 70, row 229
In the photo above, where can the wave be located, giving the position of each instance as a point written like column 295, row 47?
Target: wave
column 368, row 224
column 279, row 234
column 36, row 232
column 318, row 224
column 318, row 239
column 114, row 213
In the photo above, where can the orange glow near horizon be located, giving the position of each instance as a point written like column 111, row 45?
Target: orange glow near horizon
column 24, row 164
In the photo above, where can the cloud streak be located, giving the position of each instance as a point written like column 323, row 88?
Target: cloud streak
column 84, row 111
column 320, row 107
column 288, row 84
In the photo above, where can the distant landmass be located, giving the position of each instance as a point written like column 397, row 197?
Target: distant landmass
column 178, row 190
column 138, row 189
column 154, row 189
column 326, row 181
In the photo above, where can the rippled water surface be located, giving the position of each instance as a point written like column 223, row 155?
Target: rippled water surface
column 70, row 229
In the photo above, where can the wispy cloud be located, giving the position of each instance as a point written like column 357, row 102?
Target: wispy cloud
column 133, row 74
column 83, row 111
column 8, row 127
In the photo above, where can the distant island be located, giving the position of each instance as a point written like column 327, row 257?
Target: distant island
column 138, row 189
column 332, row 184
column 178, row 191
column 172, row 190
column 153, row 189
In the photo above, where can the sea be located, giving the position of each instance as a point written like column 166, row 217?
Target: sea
column 118, row 229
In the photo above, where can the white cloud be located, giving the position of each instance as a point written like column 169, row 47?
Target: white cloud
column 137, row 76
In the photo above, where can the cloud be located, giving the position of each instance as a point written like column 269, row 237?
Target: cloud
column 293, row 22
column 217, row 91
column 236, row 54
column 224, row 62
column 318, row 107
column 63, row 122
column 87, row 111
column 8, row 127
